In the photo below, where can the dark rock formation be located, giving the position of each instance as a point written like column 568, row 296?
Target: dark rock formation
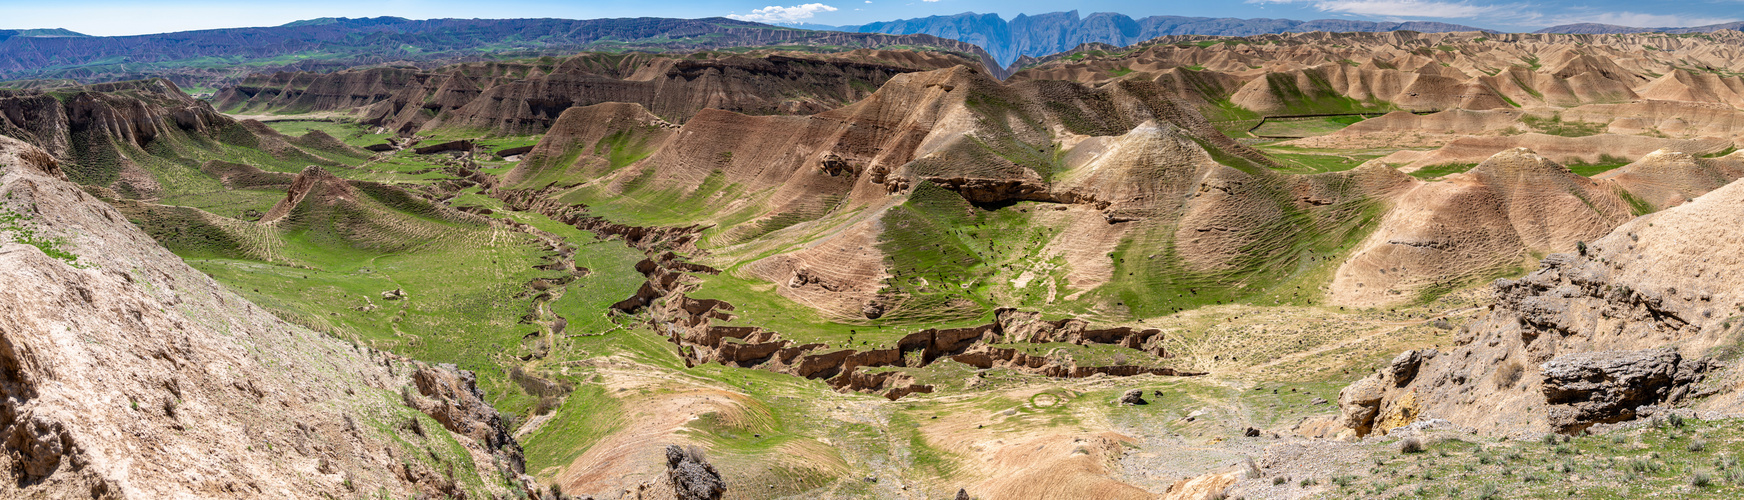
column 693, row 478
column 1132, row 397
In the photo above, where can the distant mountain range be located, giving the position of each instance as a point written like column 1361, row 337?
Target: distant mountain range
column 208, row 59
column 40, row 33
column 1054, row 32
column 1608, row 29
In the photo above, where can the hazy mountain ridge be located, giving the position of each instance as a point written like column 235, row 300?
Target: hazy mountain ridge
column 39, row 33
column 1044, row 34
column 215, row 58
column 1611, row 29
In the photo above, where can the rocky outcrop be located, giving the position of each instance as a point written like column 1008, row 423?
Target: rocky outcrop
column 1607, row 386
column 1627, row 322
column 452, row 397
column 124, row 373
column 692, row 477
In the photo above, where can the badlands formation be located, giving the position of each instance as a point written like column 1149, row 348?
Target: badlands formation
column 1282, row 266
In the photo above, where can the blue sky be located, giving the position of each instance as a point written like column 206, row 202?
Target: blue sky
column 110, row 17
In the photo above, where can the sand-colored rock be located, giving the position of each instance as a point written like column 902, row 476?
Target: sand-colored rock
column 1567, row 346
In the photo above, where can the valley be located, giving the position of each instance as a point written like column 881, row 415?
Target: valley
column 1303, row 265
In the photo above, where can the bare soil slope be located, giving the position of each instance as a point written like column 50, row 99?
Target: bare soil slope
column 128, row 374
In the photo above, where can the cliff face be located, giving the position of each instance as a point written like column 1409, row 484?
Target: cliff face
column 523, row 99
column 94, row 129
column 128, row 374
column 1631, row 321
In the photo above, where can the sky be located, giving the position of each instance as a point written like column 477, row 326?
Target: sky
column 112, row 17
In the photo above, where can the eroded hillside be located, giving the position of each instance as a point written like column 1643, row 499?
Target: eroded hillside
column 916, row 279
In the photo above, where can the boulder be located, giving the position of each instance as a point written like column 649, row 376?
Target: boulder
column 692, row 477
column 1131, row 397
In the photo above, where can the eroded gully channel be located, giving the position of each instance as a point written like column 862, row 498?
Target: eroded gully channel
column 689, row 322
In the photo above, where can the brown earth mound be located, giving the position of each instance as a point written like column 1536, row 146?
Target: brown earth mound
column 1440, row 234
column 1348, row 73
column 1667, row 178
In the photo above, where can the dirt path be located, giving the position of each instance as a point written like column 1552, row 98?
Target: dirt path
column 1395, row 326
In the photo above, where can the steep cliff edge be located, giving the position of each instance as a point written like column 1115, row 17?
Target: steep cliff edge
column 128, row 374
column 1643, row 317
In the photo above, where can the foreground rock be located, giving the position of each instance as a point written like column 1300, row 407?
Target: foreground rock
column 128, row 374
column 1603, row 335
column 692, row 477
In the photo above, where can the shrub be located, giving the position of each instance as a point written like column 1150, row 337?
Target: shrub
column 1700, row 480
column 1675, row 420
column 1489, row 492
column 1411, row 445
column 1279, row 480
column 1697, row 445
column 1509, row 374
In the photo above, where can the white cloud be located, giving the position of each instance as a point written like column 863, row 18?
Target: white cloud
column 776, row 14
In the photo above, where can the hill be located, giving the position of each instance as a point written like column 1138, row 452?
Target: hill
column 1043, row 34
column 1600, row 29
column 126, row 370
column 1121, row 273
column 214, row 58
column 39, row 32
column 524, row 98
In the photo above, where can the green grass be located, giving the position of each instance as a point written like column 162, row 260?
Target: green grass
column 1282, row 261
column 1318, row 162
column 1606, row 163
column 1639, row 463
column 587, row 415
column 21, row 228
column 1556, row 126
column 1305, row 127
column 1438, row 171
